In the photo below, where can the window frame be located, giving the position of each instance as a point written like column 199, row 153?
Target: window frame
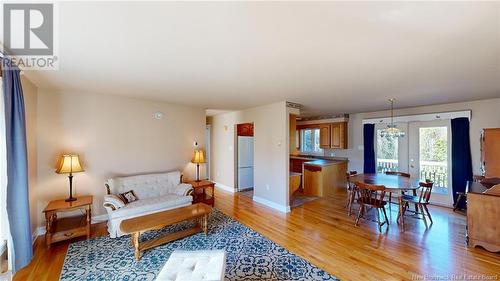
column 314, row 136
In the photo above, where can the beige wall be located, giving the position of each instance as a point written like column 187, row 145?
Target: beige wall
column 270, row 150
column 114, row 136
column 30, row 106
column 485, row 114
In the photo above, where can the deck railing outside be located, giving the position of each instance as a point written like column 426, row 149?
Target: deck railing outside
column 434, row 171
column 384, row 165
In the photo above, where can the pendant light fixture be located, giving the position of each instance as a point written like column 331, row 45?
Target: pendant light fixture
column 392, row 131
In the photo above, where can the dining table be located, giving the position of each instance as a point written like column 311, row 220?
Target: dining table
column 393, row 183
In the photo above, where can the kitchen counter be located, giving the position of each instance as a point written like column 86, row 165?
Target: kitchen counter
column 324, row 163
column 322, row 177
column 314, row 157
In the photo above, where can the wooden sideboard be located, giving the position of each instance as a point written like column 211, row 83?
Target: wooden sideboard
column 483, row 216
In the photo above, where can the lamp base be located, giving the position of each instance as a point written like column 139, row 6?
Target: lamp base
column 71, row 199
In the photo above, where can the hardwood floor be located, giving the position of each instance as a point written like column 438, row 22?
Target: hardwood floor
column 321, row 232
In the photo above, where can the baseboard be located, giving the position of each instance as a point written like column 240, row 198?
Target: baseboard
column 281, row 208
column 37, row 232
column 99, row 218
column 41, row 229
column 441, row 205
column 225, row 187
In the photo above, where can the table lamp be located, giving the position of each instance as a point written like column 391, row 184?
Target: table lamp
column 69, row 164
column 198, row 157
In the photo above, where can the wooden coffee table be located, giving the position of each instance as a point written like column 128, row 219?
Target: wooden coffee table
column 137, row 226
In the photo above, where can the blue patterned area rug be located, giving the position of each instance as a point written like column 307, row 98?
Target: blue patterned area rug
column 250, row 256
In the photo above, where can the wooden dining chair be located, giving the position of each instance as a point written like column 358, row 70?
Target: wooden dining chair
column 351, row 191
column 421, row 201
column 394, row 173
column 370, row 195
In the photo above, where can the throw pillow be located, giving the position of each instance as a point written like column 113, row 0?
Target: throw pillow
column 114, row 200
column 128, row 197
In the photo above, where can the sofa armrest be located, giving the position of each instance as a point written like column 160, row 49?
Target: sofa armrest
column 109, row 207
column 112, row 202
column 183, row 189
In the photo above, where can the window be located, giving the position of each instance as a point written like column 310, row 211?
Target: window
column 309, row 140
column 387, row 154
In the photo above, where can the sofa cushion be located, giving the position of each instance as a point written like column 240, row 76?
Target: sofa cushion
column 146, row 186
column 142, row 206
column 128, row 197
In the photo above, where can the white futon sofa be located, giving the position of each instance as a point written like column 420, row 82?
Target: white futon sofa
column 155, row 193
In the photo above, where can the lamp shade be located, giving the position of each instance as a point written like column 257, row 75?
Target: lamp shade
column 198, row 156
column 69, row 163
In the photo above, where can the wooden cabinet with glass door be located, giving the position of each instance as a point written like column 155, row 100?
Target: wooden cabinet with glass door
column 490, row 150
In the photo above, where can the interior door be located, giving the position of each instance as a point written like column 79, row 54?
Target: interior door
column 430, row 157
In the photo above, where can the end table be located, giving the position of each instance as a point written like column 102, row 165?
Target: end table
column 203, row 192
column 59, row 229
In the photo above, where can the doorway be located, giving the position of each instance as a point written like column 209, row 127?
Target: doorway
column 424, row 153
column 430, row 157
column 245, row 156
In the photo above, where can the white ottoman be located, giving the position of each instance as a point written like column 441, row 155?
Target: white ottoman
column 194, row 266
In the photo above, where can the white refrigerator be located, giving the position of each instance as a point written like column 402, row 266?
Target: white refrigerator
column 245, row 163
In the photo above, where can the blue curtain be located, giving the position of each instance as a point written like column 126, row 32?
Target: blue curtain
column 461, row 165
column 369, row 148
column 17, row 170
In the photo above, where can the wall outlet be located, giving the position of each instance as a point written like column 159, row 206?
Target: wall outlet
column 267, row 186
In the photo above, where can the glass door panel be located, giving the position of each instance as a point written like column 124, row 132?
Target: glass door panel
column 430, row 156
column 391, row 153
column 433, row 160
column 387, row 153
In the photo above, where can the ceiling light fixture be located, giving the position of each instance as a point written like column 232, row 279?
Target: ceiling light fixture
column 392, row 131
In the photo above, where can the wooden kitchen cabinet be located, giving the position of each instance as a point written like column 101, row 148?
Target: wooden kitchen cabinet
column 324, row 135
column 296, row 165
column 245, row 130
column 331, row 135
column 338, row 135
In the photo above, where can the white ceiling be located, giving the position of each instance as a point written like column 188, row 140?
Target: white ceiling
column 332, row 57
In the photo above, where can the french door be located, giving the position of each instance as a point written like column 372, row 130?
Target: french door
column 425, row 153
column 391, row 153
column 430, row 157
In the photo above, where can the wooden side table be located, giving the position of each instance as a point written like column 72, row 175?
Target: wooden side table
column 203, row 192
column 59, row 229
